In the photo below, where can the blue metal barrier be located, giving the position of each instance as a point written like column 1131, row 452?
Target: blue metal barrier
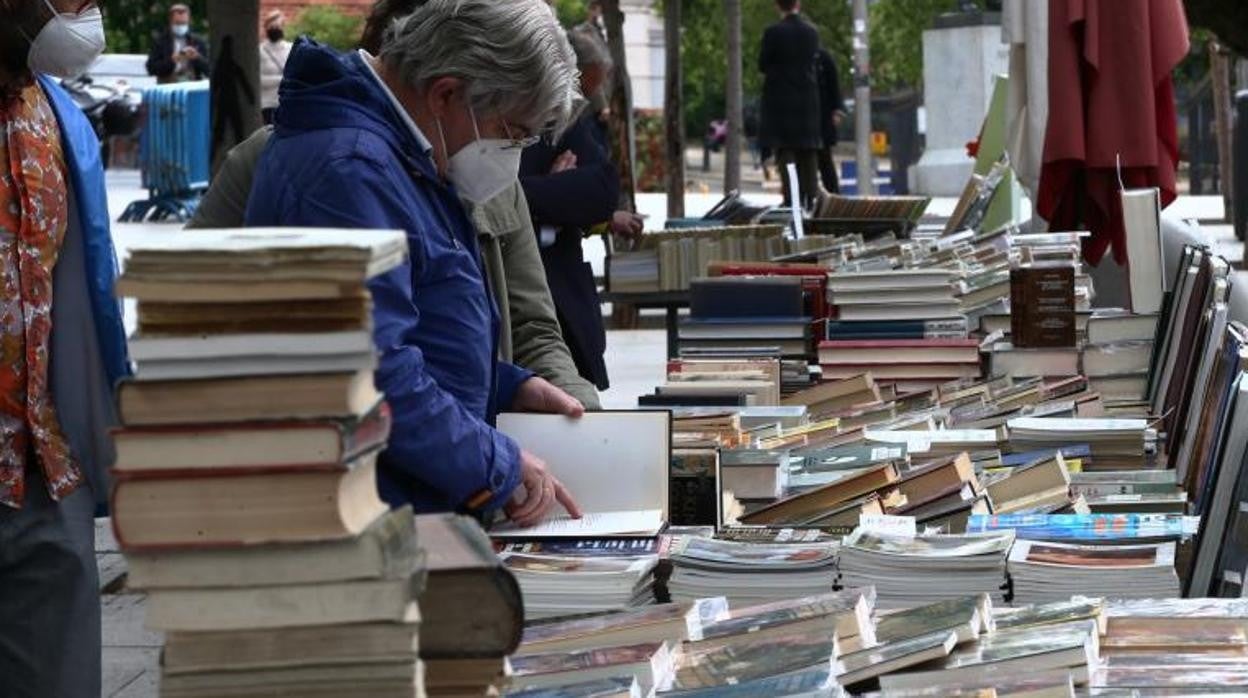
column 174, row 152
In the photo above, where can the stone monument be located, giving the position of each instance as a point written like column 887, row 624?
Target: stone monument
column 962, row 54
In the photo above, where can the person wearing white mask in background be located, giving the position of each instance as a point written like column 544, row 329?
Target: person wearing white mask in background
column 274, row 50
column 178, row 55
column 62, row 349
column 395, row 141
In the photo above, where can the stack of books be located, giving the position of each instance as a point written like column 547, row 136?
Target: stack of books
column 841, row 502
column 750, row 573
column 671, row 260
column 563, row 585
column 832, row 397
column 746, row 314
column 908, row 570
column 1116, row 444
column 245, row 495
column 918, row 362
column 1048, row 571
column 1048, row 659
column 891, row 301
column 731, row 382
column 908, row 208
column 1174, row 645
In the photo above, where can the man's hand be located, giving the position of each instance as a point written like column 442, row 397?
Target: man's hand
column 564, row 162
column 627, row 224
column 191, row 53
column 838, row 117
column 539, row 395
column 542, row 491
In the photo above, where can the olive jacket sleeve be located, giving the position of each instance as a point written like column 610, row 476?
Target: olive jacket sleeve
column 531, row 336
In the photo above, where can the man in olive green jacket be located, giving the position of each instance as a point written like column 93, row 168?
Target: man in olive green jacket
column 529, row 334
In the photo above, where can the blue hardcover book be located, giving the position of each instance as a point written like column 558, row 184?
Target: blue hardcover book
column 895, row 329
column 1086, row 527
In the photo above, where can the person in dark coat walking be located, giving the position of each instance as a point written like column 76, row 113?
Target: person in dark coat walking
column 177, row 54
column 790, row 118
column 831, row 111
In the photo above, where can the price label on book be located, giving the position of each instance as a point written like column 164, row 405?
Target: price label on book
column 891, row 525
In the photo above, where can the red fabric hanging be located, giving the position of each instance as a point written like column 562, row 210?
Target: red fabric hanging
column 1110, row 97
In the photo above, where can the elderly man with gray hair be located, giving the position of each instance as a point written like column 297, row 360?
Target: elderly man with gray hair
column 396, row 141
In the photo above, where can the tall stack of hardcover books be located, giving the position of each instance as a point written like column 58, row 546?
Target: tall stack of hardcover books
column 245, row 496
column 754, row 314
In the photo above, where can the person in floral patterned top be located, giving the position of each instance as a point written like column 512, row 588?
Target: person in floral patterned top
column 62, row 351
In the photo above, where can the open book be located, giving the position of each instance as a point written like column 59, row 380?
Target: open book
column 614, row 464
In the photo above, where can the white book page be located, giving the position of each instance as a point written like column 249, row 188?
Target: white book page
column 603, row 523
column 609, row 461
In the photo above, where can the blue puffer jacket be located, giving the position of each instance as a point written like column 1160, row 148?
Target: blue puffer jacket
column 342, row 156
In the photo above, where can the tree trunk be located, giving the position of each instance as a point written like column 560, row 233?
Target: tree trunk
column 862, row 100
column 674, row 112
column 622, row 135
column 620, row 123
column 1220, row 72
column 736, row 130
column 234, row 25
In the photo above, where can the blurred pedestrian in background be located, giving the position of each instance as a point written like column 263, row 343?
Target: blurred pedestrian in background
column 831, row 111
column 274, row 50
column 177, row 55
column 790, row 114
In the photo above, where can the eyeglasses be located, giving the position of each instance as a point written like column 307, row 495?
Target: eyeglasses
column 520, row 142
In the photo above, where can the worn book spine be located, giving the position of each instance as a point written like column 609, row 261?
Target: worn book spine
column 693, row 488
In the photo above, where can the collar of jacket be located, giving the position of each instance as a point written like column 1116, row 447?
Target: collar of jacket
column 323, row 88
column 499, row 216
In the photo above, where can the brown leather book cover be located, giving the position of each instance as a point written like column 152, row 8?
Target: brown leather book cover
column 1042, row 306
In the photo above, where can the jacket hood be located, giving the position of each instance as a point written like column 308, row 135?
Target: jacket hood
column 323, row 89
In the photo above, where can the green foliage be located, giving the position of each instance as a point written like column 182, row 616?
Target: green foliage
column 897, row 40
column 130, row 25
column 1228, row 19
column 896, row 47
column 570, row 12
column 705, row 64
column 328, row 25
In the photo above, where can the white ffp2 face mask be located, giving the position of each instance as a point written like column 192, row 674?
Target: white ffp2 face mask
column 484, row 168
column 68, row 44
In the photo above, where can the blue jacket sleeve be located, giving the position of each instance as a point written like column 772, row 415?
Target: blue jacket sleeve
column 508, row 378
column 434, row 439
column 581, row 197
